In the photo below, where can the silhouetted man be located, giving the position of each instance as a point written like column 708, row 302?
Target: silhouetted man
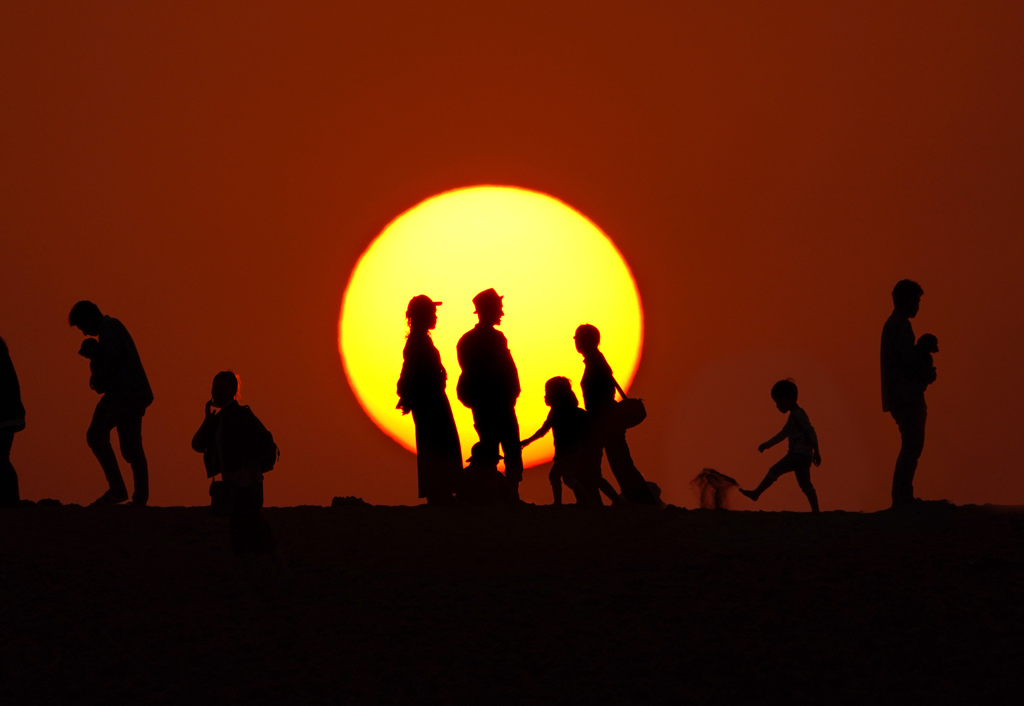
column 489, row 385
column 902, row 393
column 12, row 420
column 126, row 395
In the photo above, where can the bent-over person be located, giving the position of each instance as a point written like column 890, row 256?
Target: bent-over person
column 126, row 395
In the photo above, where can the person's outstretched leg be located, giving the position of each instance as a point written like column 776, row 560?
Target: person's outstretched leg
column 773, row 474
column 98, row 437
column 803, row 478
column 129, row 433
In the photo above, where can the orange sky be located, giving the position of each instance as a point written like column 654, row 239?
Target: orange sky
column 210, row 176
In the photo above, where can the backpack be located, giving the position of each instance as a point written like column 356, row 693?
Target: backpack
column 264, row 451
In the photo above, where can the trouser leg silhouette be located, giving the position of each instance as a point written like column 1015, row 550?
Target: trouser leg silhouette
column 911, row 421
column 110, row 414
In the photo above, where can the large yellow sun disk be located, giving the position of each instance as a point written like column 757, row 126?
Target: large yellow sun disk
column 554, row 267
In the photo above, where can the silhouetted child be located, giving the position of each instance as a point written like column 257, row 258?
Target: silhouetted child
column 93, row 351
column 924, row 363
column 576, row 463
column 803, row 445
column 483, row 483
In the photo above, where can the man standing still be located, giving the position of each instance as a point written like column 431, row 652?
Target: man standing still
column 126, row 395
column 489, row 385
column 902, row 395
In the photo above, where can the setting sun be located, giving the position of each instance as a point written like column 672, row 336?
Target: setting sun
column 553, row 266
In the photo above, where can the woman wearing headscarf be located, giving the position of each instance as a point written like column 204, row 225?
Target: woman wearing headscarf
column 421, row 390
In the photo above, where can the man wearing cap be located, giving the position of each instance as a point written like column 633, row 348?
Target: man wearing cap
column 489, row 385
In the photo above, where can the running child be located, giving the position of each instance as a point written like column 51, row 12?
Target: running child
column 803, row 445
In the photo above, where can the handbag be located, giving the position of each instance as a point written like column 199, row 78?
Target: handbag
column 629, row 411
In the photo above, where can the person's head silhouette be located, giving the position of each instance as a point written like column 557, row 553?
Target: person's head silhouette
column 587, row 339
column 90, row 348
column 489, row 307
column 784, row 394
column 558, row 393
column 87, row 317
column 928, row 342
column 225, row 388
column 421, row 313
column 483, row 455
column 906, row 297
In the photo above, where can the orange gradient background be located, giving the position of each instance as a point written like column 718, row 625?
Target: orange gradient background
column 210, row 176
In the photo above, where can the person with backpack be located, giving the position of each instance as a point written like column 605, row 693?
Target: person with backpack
column 237, row 446
column 489, row 386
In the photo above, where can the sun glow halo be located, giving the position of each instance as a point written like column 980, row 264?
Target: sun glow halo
column 554, row 267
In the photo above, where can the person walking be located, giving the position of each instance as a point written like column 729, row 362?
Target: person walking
column 126, row 395
column 803, row 445
column 599, row 386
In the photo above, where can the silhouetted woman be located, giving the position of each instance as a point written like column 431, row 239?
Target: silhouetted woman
column 421, row 390
column 599, row 386
column 12, row 420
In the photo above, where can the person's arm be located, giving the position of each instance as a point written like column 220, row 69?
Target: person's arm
column 411, row 379
column 775, row 439
column 813, row 435
column 545, row 428
column 204, row 436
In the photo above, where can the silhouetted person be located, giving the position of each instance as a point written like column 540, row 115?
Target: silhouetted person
column 489, row 385
column 421, row 390
column 126, row 395
column 902, row 393
column 12, row 420
column 483, row 483
column 924, row 364
column 577, row 460
column 803, row 445
column 598, row 385
column 230, row 439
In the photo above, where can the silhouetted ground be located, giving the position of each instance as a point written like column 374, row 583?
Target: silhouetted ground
column 533, row 604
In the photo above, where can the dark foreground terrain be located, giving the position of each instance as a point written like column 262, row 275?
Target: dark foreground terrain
column 526, row 605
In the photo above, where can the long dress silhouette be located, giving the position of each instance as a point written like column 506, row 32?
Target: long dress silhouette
column 421, row 390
